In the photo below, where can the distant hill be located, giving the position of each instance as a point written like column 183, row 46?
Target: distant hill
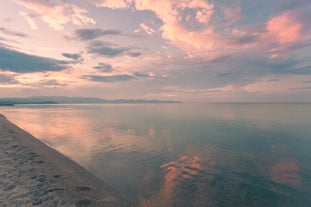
column 6, row 104
column 74, row 100
column 12, row 101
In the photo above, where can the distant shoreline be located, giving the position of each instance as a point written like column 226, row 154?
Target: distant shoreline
column 35, row 174
column 7, row 104
column 78, row 100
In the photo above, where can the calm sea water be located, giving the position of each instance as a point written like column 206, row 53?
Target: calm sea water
column 185, row 154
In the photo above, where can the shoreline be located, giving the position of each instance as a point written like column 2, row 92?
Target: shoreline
column 33, row 174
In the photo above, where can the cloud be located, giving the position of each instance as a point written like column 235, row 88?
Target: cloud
column 190, row 25
column 29, row 19
column 302, row 88
column 124, row 78
column 104, row 67
column 134, row 54
column 281, row 33
column 119, row 4
column 284, row 29
column 296, row 70
column 52, row 83
column 202, row 28
column 178, row 18
column 116, row 78
column 4, row 42
column 232, row 14
column 55, row 13
column 235, row 73
column 147, row 29
column 108, row 49
column 12, row 33
column 185, row 23
column 287, row 5
column 273, row 79
column 90, row 34
column 21, row 63
column 284, row 67
column 244, row 39
column 73, row 56
column 109, row 79
column 140, row 74
column 7, row 79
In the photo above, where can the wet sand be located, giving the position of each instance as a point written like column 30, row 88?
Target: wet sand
column 33, row 174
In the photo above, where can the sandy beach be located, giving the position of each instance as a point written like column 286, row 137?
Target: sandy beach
column 33, row 174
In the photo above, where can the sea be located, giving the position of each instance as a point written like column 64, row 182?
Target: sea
column 171, row 155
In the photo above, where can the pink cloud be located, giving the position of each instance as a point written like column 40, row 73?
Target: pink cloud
column 283, row 32
column 274, row 37
column 121, row 4
column 173, row 30
column 284, row 29
column 147, row 29
column 203, row 41
column 55, row 15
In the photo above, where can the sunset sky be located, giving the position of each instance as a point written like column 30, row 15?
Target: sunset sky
column 187, row 50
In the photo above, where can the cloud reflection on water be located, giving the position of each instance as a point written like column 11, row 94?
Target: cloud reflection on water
column 286, row 172
column 165, row 155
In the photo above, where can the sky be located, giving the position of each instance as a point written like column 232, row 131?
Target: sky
column 186, row 50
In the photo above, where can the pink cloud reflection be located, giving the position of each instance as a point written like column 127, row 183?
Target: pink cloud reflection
column 286, row 173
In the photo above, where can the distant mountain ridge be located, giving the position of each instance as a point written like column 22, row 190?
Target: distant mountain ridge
column 75, row 100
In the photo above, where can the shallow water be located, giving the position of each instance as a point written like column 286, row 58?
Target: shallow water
column 185, row 154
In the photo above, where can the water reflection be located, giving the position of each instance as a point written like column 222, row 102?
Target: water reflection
column 176, row 172
column 286, row 172
column 185, row 155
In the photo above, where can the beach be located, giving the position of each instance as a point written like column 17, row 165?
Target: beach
column 33, row 174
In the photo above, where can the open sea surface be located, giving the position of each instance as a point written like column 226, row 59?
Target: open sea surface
column 171, row 155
